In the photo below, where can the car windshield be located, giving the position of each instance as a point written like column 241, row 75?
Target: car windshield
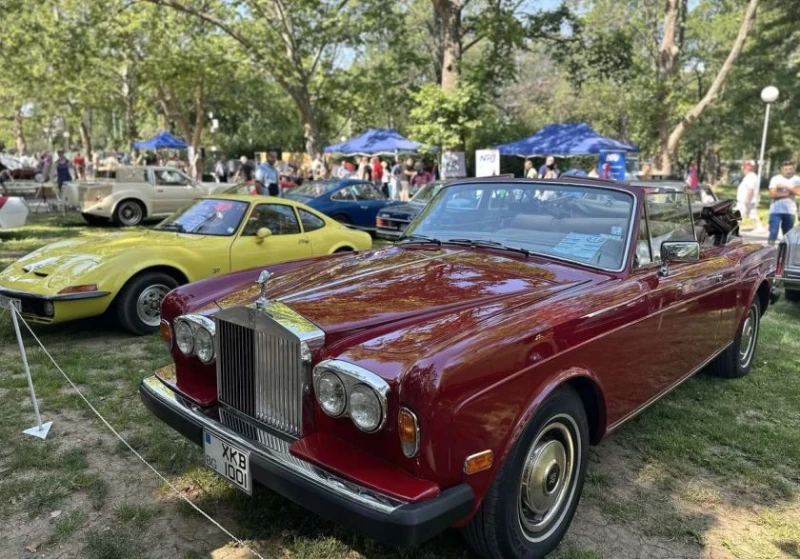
column 316, row 188
column 589, row 225
column 427, row 192
column 209, row 216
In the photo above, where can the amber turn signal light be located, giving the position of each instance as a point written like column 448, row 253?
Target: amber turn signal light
column 478, row 462
column 78, row 289
column 166, row 333
column 408, row 429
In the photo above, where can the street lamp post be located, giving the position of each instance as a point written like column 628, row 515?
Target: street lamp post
column 769, row 95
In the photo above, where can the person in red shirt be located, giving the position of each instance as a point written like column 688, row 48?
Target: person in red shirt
column 80, row 165
column 377, row 169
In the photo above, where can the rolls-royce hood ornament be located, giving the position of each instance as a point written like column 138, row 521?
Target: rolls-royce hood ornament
column 262, row 300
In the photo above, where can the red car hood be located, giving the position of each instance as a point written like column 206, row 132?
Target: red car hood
column 398, row 285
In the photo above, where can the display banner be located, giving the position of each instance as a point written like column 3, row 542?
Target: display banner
column 487, row 162
column 611, row 165
column 454, row 165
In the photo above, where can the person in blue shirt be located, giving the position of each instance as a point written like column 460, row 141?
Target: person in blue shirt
column 267, row 178
column 62, row 171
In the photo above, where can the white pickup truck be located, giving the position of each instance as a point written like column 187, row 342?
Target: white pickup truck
column 134, row 194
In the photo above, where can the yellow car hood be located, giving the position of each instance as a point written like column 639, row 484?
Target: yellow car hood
column 51, row 268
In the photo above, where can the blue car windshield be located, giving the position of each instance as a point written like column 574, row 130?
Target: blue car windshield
column 316, row 188
column 207, row 216
column 589, row 225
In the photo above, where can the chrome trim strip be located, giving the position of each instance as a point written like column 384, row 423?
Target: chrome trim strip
column 352, row 375
column 275, row 450
column 64, row 297
column 666, row 391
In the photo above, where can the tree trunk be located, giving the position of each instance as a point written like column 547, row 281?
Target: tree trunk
column 302, row 99
column 448, row 14
column 86, row 138
column 19, row 134
column 196, row 164
column 129, row 98
column 673, row 140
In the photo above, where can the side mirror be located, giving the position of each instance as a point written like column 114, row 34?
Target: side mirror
column 262, row 234
column 678, row 251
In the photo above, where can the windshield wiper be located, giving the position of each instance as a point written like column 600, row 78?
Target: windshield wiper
column 489, row 244
column 408, row 239
column 172, row 227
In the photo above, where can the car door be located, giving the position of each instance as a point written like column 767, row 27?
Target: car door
column 686, row 297
column 316, row 231
column 172, row 190
column 369, row 201
column 287, row 241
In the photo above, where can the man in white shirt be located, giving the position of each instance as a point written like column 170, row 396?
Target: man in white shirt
column 267, row 180
column 782, row 207
column 747, row 195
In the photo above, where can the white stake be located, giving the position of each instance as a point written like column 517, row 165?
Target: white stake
column 40, row 430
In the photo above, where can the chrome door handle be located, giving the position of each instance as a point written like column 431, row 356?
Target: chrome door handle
column 303, row 241
column 364, row 207
column 715, row 277
column 159, row 190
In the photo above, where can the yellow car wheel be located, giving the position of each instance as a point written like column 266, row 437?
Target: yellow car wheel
column 138, row 306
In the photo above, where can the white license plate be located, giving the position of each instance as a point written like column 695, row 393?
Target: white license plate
column 9, row 303
column 229, row 461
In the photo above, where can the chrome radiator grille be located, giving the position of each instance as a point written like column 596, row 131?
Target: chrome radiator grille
column 260, row 367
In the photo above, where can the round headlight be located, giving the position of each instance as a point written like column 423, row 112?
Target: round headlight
column 330, row 394
column 204, row 345
column 365, row 408
column 184, row 338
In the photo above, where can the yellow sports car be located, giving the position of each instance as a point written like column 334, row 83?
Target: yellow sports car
column 130, row 273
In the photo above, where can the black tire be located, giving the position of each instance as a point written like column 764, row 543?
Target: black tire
column 94, row 219
column 129, row 213
column 343, row 249
column 135, row 293
column 792, row 295
column 736, row 361
column 496, row 531
column 342, row 218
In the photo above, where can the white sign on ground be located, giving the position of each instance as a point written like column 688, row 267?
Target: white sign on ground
column 487, row 162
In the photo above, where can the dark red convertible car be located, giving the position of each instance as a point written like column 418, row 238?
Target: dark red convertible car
column 457, row 378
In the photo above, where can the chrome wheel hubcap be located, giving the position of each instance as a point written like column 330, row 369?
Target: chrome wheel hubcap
column 547, row 478
column 148, row 306
column 748, row 341
column 131, row 214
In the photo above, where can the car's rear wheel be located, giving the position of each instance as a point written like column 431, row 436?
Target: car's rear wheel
column 138, row 306
column 129, row 213
column 343, row 249
column 737, row 360
column 94, row 219
column 533, row 498
column 792, row 295
column 341, row 218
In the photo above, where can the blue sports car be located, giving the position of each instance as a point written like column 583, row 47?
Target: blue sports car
column 353, row 202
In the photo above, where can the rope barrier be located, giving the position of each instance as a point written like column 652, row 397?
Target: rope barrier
column 139, row 456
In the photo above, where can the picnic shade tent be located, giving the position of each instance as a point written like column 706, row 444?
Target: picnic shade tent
column 162, row 140
column 564, row 140
column 376, row 141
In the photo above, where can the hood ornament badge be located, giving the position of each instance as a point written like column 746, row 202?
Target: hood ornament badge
column 262, row 300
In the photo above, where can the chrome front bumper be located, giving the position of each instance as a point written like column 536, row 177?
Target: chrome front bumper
column 376, row 515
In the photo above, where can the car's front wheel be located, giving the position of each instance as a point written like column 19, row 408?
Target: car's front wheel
column 532, row 501
column 138, row 305
column 129, row 213
column 737, row 360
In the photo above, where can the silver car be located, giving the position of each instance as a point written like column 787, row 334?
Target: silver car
column 788, row 274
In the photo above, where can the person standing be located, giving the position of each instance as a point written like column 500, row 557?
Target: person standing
column 692, row 178
column 407, row 173
column 549, row 170
column 364, row 172
column 747, row 195
column 528, row 171
column 782, row 207
column 385, row 178
column 268, row 177
column 245, row 172
column 395, row 177
column 79, row 162
column 317, row 168
column 377, row 170
column 221, row 169
column 62, row 170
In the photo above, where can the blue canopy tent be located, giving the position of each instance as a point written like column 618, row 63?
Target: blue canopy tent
column 376, row 141
column 162, row 140
column 564, row 140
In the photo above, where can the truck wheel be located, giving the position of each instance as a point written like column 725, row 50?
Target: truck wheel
column 737, row 360
column 792, row 295
column 94, row 219
column 138, row 306
column 129, row 213
column 533, row 498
